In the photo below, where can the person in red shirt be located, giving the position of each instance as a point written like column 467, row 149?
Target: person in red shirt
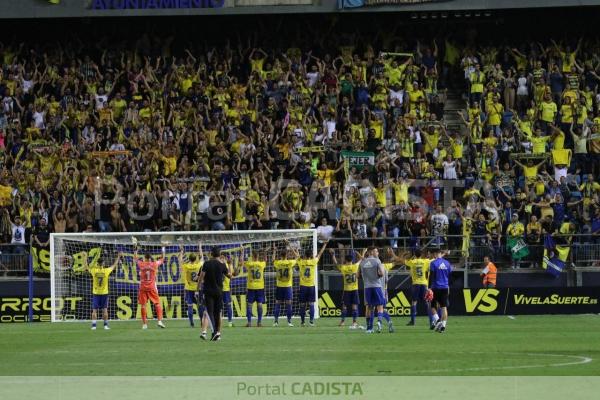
column 148, row 289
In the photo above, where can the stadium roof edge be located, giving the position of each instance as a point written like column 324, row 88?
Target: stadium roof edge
column 12, row 9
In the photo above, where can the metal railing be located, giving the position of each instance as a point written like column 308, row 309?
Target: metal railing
column 585, row 252
column 14, row 260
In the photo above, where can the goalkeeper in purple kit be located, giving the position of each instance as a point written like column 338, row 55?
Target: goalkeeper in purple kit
column 439, row 281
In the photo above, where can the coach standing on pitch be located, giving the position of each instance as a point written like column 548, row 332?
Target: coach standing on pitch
column 211, row 284
column 371, row 270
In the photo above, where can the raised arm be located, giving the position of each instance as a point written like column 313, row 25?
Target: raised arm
column 333, row 258
column 200, row 252
column 322, row 250
column 116, row 261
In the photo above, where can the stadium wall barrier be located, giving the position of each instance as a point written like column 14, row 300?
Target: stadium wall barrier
column 130, row 8
column 14, row 302
column 486, row 301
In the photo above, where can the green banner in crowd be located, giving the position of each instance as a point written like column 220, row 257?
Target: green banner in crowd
column 517, row 247
column 358, row 159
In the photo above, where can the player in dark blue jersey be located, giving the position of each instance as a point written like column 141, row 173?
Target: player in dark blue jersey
column 439, row 281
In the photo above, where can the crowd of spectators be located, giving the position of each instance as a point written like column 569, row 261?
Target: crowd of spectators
column 147, row 135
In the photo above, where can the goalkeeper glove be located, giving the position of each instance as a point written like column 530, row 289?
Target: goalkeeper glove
column 429, row 295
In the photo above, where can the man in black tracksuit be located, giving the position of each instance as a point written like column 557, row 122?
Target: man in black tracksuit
column 211, row 282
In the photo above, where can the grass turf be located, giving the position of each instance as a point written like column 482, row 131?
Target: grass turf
column 525, row 345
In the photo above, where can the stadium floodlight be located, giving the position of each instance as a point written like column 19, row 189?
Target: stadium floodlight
column 73, row 255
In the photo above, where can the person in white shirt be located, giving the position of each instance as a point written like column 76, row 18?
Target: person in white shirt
column 315, row 73
column 17, row 233
column 449, row 168
column 439, row 225
column 324, row 231
column 396, row 93
column 39, row 117
column 329, row 126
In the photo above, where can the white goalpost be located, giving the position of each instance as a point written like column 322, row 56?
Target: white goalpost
column 72, row 255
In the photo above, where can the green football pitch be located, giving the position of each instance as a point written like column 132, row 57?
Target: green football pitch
column 523, row 345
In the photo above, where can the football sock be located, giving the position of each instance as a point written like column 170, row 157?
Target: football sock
column 311, row 312
column 386, row 316
column 259, row 310
column 413, row 313
column 302, row 312
column 105, row 322
column 229, row 308
column 444, row 324
column 94, row 323
column 159, row 311
column 288, row 311
column 354, row 315
column 435, row 319
column 276, row 312
column 430, row 314
column 191, row 314
column 343, row 314
column 144, row 314
column 249, row 313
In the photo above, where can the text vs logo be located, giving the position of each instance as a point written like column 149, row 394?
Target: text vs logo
column 485, row 300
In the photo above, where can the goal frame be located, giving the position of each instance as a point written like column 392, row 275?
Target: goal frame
column 53, row 236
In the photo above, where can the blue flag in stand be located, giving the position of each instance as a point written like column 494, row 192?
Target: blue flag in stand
column 350, row 3
column 555, row 256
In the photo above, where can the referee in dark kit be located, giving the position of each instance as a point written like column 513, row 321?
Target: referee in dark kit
column 211, row 282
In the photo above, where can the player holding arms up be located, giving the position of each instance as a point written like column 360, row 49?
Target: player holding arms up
column 439, row 279
column 307, row 267
column 371, row 270
column 191, row 270
column 148, row 289
column 100, row 291
column 225, row 259
column 255, row 286
column 419, row 273
column 284, row 271
column 351, row 299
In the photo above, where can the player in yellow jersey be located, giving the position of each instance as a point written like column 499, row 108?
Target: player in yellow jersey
column 284, row 276
column 191, row 269
column 226, row 259
column 307, row 267
column 388, row 265
column 100, row 276
column 255, row 286
column 419, row 273
column 349, row 272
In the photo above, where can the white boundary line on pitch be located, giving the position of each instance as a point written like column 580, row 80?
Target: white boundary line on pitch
column 581, row 360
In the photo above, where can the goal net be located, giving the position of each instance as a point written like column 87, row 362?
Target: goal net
column 74, row 256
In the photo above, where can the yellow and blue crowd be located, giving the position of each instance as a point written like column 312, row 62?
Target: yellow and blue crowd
column 151, row 132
